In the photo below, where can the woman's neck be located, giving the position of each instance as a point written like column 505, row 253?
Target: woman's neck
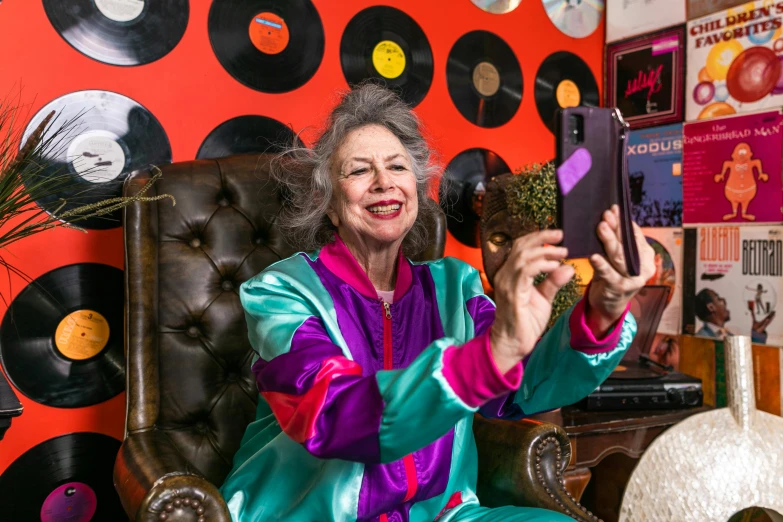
column 379, row 261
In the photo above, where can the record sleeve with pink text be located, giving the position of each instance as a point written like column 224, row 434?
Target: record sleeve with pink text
column 733, row 281
column 731, row 170
column 734, row 60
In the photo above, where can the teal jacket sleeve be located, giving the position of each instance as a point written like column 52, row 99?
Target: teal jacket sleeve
column 563, row 368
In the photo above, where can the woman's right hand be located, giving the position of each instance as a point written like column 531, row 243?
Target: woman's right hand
column 523, row 309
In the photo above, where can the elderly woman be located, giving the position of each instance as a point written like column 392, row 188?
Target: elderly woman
column 371, row 366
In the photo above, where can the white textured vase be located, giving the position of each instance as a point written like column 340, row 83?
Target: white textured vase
column 714, row 464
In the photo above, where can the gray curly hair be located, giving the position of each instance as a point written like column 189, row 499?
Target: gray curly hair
column 305, row 181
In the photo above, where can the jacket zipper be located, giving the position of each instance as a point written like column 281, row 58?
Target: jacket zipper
column 410, row 467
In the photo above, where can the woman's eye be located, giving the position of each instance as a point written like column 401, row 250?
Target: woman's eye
column 498, row 239
column 398, row 167
column 359, row 171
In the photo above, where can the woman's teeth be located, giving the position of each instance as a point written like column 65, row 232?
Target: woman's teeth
column 384, row 209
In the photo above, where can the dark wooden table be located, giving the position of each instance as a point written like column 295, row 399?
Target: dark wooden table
column 10, row 406
column 596, row 435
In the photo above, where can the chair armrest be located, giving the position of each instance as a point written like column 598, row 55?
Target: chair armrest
column 521, row 463
column 155, row 483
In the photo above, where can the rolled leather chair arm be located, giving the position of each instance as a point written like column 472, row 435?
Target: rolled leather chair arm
column 155, row 483
column 521, row 463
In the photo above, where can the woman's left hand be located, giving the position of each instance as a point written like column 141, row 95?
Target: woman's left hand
column 612, row 288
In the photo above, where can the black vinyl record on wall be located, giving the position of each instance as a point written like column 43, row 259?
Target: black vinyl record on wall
column 563, row 80
column 246, row 135
column 268, row 45
column 66, row 478
column 61, row 338
column 466, row 176
column 385, row 44
column 110, row 137
column 484, row 79
column 120, row 32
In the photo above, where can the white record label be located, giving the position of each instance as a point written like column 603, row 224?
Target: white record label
column 97, row 156
column 120, row 10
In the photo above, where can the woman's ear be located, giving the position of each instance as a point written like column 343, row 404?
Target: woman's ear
column 333, row 217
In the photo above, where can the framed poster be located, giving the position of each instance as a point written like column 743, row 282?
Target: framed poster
column 645, row 76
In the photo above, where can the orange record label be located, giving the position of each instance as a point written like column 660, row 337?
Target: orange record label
column 269, row 33
column 486, row 79
column 567, row 94
column 82, row 334
column 388, row 59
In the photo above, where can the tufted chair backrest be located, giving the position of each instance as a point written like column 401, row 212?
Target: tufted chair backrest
column 188, row 355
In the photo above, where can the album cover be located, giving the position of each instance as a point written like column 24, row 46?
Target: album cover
column 667, row 244
column 644, row 77
column 733, row 277
column 768, row 377
column 731, row 170
column 734, row 61
column 699, row 8
column 654, row 158
column 627, row 18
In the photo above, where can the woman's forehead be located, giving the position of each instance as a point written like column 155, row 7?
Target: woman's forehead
column 371, row 135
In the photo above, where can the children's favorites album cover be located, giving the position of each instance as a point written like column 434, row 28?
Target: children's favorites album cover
column 731, row 170
column 654, row 158
column 699, row 8
column 734, row 61
column 733, row 277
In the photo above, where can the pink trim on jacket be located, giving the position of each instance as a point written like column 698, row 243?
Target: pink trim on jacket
column 339, row 261
column 582, row 337
column 471, row 372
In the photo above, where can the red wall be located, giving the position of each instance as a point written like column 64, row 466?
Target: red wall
column 190, row 94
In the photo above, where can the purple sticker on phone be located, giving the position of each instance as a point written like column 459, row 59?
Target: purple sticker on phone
column 574, row 169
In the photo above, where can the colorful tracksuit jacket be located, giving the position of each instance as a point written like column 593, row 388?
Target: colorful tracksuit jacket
column 366, row 408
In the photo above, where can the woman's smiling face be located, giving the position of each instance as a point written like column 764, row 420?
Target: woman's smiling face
column 374, row 197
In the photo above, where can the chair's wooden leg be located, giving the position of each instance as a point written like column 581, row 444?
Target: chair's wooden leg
column 576, row 481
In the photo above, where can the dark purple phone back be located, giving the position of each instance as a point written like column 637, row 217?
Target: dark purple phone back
column 591, row 177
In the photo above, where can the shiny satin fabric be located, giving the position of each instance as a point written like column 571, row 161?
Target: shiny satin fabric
column 421, row 414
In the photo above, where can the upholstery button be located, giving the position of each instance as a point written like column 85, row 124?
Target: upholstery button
column 223, row 202
column 195, row 242
column 227, row 285
column 258, row 240
column 192, row 331
column 232, row 377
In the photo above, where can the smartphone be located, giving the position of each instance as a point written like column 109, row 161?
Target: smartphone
column 592, row 175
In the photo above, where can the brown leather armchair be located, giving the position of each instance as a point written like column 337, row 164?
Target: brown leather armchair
column 190, row 392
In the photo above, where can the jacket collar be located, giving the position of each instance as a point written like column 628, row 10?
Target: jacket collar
column 338, row 260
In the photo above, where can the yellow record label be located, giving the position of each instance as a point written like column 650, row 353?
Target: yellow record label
column 388, row 59
column 486, row 79
column 82, row 334
column 567, row 94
